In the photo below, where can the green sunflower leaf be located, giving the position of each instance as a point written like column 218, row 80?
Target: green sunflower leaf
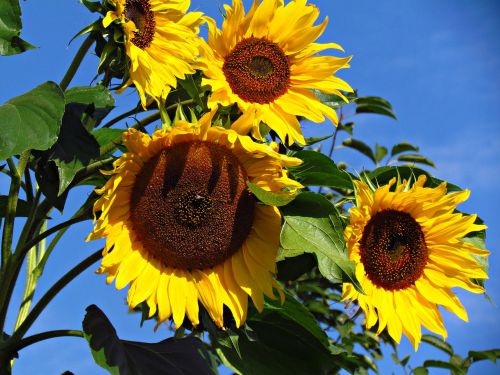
column 438, row 343
column 360, row 146
column 10, row 28
column 286, row 339
column 380, row 152
column 403, row 147
column 416, row 158
column 492, row 355
column 319, row 170
column 374, row 104
column 184, row 356
column 31, row 120
column 271, row 198
column 313, row 225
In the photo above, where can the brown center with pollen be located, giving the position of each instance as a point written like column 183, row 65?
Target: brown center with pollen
column 140, row 13
column 257, row 70
column 393, row 250
column 190, row 205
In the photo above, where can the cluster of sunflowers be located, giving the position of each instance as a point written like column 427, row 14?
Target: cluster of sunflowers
column 183, row 227
column 198, row 214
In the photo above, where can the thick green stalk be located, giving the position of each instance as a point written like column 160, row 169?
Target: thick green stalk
column 34, row 255
column 9, row 267
column 77, row 60
column 10, row 214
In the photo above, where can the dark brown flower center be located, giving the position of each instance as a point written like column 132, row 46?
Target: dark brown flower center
column 393, row 250
column 190, row 205
column 140, row 13
column 257, row 70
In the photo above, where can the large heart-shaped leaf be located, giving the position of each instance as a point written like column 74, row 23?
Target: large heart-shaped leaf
column 319, row 170
column 31, row 120
column 313, row 225
column 172, row 356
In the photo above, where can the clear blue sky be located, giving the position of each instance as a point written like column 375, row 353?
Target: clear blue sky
column 438, row 63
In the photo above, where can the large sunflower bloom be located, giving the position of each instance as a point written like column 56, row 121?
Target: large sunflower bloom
column 408, row 252
column 181, row 225
column 160, row 40
column 266, row 62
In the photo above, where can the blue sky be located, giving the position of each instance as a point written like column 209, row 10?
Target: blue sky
column 438, row 63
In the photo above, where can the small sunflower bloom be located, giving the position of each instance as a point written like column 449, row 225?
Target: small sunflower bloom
column 408, row 249
column 160, row 40
column 266, row 61
column 182, row 227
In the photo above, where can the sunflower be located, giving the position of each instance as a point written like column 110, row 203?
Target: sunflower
column 408, row 249
column 266, row 62
column 160, row 40
column 181, row 225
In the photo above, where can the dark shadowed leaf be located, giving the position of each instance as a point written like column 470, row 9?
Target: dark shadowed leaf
column 403, row 147
column 319, row 170
column 383, row 175
column 271, row 198
column 10, row 28
column 96, row 102
column 74, row 149
column 374, row 104
column 23, row 207
column 184, row 356
column 416, row 158
column 361, row 147
column 31, row 120
column 313, row 225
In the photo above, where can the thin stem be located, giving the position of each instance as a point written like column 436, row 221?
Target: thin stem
column 52, row 292
column 334, row 139
column 124, row 115
column 118, row 140
column 54, row 229
column 77, row 60
column 27, row 341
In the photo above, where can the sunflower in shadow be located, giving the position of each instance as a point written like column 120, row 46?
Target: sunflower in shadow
column 182, row 227
column 407, row 243
column 266, row 61
column 160, row 40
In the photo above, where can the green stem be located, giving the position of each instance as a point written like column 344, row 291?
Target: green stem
column 52, row 292
column 21, row 344
column 77, row 60
column 124, row 115
column 50, row 231
column 34, row 256
column 10, row 213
